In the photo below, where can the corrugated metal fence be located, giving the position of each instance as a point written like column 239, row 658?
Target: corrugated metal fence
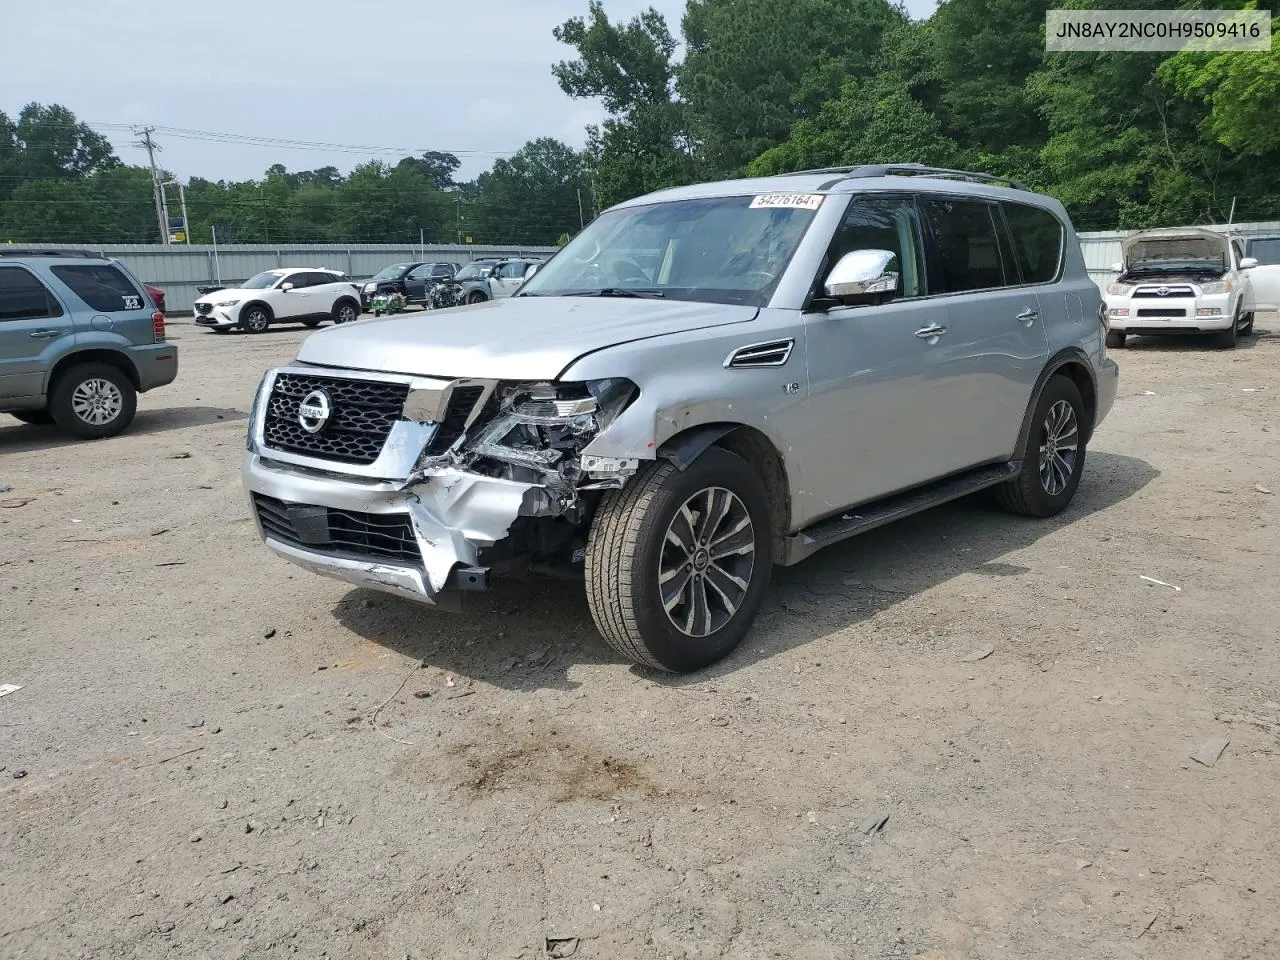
column 1101, row 250
column 180, row 269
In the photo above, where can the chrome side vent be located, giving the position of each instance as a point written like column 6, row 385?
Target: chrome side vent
column 772, row 353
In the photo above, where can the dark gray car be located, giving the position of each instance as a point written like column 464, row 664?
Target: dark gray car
column 79, row 340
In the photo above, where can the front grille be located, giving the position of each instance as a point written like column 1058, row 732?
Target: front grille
column 461, row 402
column 340, row 533
column 363, row 412
column 1162, row 312
column 204, row 309
column 1152, row 292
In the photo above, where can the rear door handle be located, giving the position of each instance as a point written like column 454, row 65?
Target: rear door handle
column 1028, row 316
column 44, row 334
column 931, row 331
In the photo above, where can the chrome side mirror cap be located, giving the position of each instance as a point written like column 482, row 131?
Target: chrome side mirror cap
column 1248, row 262
column 863, row 272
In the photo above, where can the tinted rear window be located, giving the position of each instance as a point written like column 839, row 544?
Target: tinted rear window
column 1037, row 242
column 966, row 244
column 103, row 287
column 23, row 297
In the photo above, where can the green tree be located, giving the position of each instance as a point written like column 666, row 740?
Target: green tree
column 755, row 67
column 644, row 143
column 48, row 143
column 533, row 197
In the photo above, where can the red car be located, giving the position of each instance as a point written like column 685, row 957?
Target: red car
column 156, row 295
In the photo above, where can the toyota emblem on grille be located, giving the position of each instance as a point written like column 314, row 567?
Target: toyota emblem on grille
column 314, row 411
column 1162, row 291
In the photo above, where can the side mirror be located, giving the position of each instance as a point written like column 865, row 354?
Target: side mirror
column 1248, row 262
column 1117, row 268
column 286, row 287
column 862, row 272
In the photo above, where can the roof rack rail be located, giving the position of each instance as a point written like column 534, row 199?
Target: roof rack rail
column 912, row 170
column 7, row 251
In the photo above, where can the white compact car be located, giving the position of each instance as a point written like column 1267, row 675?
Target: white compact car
column 306, row 295
column 1187, row 280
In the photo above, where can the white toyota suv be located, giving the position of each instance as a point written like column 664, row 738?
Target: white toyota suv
column 306, row 295
column 1187, row 280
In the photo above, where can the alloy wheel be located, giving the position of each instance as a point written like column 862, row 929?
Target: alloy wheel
column 1059, row 446
column 707, row 560
column 97, row 401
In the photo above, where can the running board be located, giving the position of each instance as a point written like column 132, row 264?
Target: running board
column 858, row 520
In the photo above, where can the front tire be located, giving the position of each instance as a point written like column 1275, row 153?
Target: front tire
column 93, row 400
column 475, row 296
column 1115, row 339
column 1227, row 339
column 678, row 561
column 1052, row 456
column 255, row 319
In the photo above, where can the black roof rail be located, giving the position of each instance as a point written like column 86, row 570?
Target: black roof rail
column 7, row 251
column 912, row 170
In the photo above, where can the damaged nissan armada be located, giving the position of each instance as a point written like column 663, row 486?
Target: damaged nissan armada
column 705, row 382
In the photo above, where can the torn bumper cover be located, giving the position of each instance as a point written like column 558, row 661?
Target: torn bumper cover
column 372, row 533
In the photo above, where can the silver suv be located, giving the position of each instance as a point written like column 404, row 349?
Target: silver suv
column 79, row 340
column 705, row 382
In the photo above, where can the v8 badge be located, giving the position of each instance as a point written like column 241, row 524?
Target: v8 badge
column 792, row 387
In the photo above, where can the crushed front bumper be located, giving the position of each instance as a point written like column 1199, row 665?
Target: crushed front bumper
column 409, row 541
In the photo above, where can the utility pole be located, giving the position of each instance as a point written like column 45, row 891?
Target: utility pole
column 582, row 222
column 157, row 191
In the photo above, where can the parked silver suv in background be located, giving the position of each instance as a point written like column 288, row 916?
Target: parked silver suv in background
column 705, row 382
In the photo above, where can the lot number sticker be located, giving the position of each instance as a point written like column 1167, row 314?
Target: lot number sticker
column 784, row 201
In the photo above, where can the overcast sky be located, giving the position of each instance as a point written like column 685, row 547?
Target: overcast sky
column 472, row 79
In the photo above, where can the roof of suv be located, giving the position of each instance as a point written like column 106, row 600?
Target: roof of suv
column 845, row 180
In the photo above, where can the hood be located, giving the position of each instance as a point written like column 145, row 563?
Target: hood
column 519, row 338
column 230, row 292
column 1175, row 244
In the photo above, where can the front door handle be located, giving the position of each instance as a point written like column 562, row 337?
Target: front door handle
column 44, row 334
column 1029, row 316
column 931, row 331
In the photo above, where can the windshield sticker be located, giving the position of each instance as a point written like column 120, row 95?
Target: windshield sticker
column 787, row 201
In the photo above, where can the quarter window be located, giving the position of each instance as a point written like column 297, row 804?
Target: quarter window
column 1037, row 242
column 965, row 245
column 23, row 297
column 103, row 287
column 883, row 223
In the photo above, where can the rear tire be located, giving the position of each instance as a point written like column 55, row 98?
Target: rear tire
column 703, row 539
column 93, row 400
column 1050, row 470
column 1115, row 339
column 38, row 418
column 346, row 311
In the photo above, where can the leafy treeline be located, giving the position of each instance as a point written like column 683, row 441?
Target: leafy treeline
column 746, row 87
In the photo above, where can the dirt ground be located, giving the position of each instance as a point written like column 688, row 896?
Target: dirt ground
column 217, row 755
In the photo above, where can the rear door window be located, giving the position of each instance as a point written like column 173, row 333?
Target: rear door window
column 24, row 297
column 966, row 245
column 1037, row 242
column 104, row 287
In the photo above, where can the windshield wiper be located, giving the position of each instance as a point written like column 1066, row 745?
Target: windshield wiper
column 619, row 292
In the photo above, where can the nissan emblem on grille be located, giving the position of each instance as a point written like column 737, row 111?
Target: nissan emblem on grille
column 314, row 411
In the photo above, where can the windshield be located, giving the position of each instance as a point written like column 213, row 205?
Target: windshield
column 388, row 273
column 262, row 281
column 718, row 250
column 473, row 271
